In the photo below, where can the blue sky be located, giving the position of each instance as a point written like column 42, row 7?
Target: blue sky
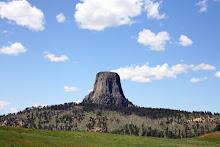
column 166, row 52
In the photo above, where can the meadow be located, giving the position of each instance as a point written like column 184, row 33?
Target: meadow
column 22, row 137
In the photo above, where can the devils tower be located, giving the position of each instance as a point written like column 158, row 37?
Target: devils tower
column 107, row 91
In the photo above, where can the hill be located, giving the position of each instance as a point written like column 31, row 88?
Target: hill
column 10, row 136
column 139, row 121
column 106, row 109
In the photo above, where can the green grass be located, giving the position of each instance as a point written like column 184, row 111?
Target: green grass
column 21, row 137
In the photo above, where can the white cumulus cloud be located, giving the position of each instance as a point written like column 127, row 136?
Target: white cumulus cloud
column 14, row 49
column 77, row 102
column 204, row 67
column 61, row 18
column 217, row 74
column 153, row 10
column 185, row 41
column 13, row 110
column 53, row 58
column 5, row 31
column 22, row 13
column 141, row 79
column 195, row 80
column 203, row 5
column 146, row 73
column 67, row 88
column 98, row 14
column 2, row 105
column 39, row 105
column 90, row 90
column 154, row 41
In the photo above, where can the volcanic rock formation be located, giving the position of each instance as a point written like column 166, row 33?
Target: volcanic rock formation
column 107, row 91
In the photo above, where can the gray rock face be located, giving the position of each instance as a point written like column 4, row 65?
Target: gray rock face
column 107, row 91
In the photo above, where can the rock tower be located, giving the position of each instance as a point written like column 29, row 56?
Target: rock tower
column 107, row 91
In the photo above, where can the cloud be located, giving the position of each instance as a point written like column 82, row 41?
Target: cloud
column 204, row 67
column 185, row 41
column 61, row 18
column 14, row 49
column 77, row 102
column 2, row 105
column 53, row 58
column 153, row 10
column 89, row 91
column 5, row 31
column 195, row 80
column 146, row 73
column 217, row 74
column 39, row 105
column 155, row 42
column 23, row 14
column 67, row 88
column 141, row 79
column 13, row 110
column 203, row 6
column 98, row 14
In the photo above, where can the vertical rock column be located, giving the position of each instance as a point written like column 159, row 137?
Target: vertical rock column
column 107, row 91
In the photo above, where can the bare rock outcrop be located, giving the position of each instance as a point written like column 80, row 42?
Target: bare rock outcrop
column 107, row 91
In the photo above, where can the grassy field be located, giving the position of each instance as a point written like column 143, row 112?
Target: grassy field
column 33, row 137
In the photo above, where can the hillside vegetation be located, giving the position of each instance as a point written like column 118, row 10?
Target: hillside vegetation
column 22, row 137
column 163, row 123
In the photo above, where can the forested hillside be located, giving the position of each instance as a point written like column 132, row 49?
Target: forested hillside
column 164, row 123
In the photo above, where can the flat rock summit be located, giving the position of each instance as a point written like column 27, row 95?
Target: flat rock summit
column 107, row 91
